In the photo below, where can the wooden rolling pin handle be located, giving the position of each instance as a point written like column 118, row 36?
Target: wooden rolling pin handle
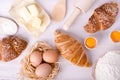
column 72, row 18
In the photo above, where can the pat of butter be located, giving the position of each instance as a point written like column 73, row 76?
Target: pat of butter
column 36, row 22
column 33, row 10
column 24, row 13
column 42, row 28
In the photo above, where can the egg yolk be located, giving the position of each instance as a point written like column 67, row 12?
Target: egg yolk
column 115, row 36
column 90, row 42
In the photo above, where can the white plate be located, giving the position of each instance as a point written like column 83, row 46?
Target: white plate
column 10, row 70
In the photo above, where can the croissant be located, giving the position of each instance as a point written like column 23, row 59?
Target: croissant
column 71, row 49
column 102, row 18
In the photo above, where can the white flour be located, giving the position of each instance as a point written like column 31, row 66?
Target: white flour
column 7, row 27
column 108, row 67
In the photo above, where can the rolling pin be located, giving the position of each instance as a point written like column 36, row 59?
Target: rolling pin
column 81, row 6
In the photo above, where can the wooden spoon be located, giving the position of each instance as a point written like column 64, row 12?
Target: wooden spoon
column 59, row 11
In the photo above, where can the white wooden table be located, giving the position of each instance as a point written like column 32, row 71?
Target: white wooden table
column 10, row 70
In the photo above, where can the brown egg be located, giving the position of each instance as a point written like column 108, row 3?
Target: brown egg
column 36, row 58
column 50, row 56
column 43, row 70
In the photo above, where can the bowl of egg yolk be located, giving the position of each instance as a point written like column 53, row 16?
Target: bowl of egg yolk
column 115, row 36
column 90, row 42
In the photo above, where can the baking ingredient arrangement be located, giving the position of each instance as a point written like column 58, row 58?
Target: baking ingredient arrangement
column 43, row 61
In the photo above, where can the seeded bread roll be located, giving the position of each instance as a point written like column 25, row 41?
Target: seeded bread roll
column 11, row 47
column 102, row 18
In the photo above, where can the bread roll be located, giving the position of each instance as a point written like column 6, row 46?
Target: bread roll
column 11, row 47
column 71, row 49
column 102, row 18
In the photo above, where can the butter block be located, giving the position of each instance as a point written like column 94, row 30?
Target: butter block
column 24, row 13
column 33, row 10
column 36, row 22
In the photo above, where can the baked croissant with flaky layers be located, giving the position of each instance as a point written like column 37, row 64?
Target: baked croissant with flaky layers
column 102, row 18
column 71, row 49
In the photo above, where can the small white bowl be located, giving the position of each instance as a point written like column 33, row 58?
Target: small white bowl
column 111, row 38
column 87, row 46
column 8, row 26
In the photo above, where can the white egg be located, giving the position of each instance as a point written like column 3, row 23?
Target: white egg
column 50, row 56
column 36, row 58
column 43, row 70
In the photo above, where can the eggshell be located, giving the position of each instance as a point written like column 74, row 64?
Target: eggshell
column 50, row 56
column 43, row 70
column 36, row 58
